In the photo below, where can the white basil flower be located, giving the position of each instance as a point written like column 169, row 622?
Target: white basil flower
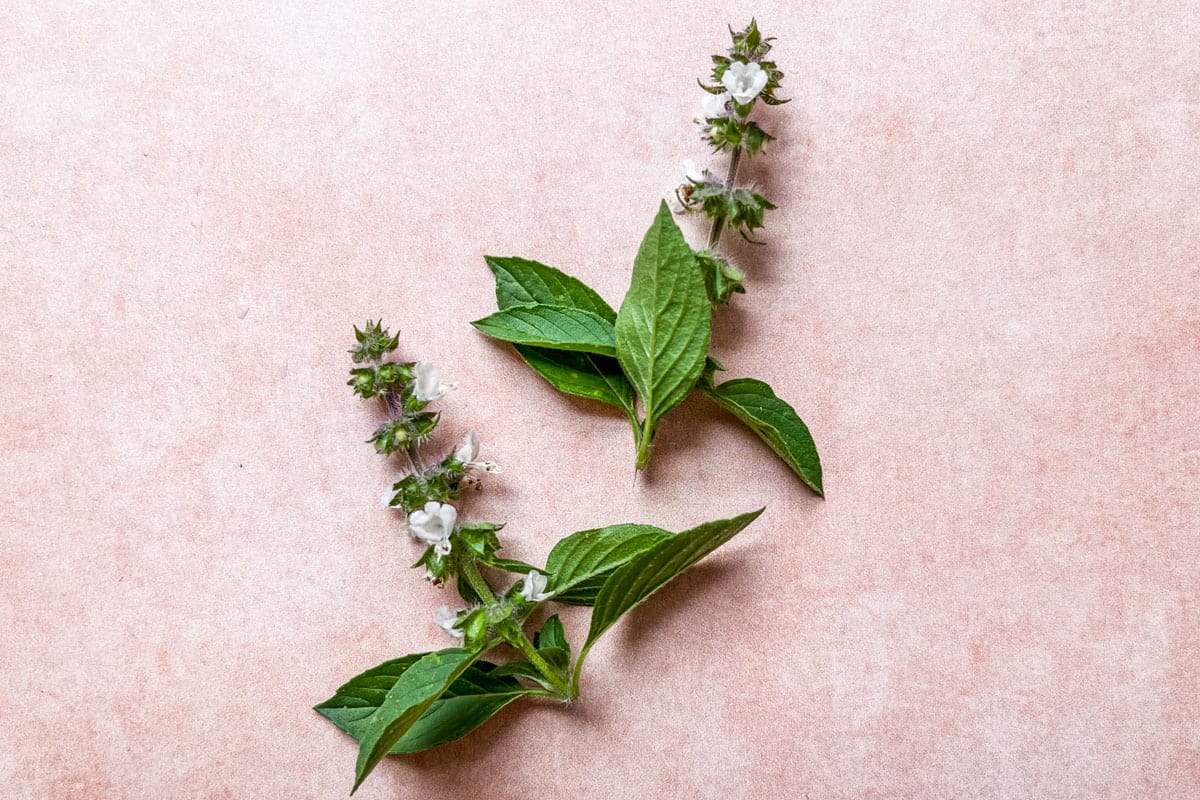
column 744, row 81
column 434, row 524
column 696, row 175
column 534, row 588
column 427, row 383
column 715, row 105
column 444, row 618
column 469, row 450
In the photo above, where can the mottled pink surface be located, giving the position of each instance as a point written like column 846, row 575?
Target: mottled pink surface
column 980, row 290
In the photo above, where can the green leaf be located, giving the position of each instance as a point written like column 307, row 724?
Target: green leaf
column 649, row 571
column 580, row 563
column 415, row 690
column 469, row 702
column 775, row 422
column 581, row 374
column 558, row 657
column 556, row 327
column 664, row 325
column 552, row 635
column 522, row 282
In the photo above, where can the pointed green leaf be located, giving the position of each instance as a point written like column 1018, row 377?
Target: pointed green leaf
column 469, row 702
column 415, row 690
column 775, row 422
column 522, row 282
column 663, row 327
column 556, row 327
column 580, row 563
column 552, row 635
column 649, row 571
column 581, row 374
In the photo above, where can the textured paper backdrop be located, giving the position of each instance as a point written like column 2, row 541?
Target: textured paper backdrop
column 980, row 290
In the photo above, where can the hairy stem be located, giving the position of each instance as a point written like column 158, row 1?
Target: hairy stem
column 476, row 581
column 644, row 441
column 718, row 224
column 553, row 676
column 412, row 450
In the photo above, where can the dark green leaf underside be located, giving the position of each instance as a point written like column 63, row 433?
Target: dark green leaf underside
column 581, row 374
column 775, row 422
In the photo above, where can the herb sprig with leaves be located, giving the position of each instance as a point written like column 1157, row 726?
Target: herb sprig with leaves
column 425, row 699
column 651, row 354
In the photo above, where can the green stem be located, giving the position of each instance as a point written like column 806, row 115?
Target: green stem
column 476, row 581
column 644, row 440
column 553, row 676
column 718, row 224
column 414, row 456
column 578, row 667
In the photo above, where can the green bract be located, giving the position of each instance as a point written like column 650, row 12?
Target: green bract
column 648, row 357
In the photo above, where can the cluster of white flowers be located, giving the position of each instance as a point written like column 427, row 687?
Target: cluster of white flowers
column 743, row 83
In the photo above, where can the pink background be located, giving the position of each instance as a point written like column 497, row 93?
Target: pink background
column 980, row 290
